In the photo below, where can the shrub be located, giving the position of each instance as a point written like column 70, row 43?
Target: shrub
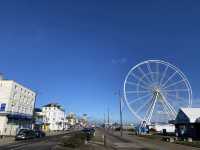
column 131, row 130
column 76, row 140
column 118, row 129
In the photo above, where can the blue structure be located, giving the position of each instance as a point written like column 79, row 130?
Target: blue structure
column 142, row 128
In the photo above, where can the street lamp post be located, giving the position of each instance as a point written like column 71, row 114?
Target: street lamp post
column 108, row 119
column 121, row 123
column 120, row 112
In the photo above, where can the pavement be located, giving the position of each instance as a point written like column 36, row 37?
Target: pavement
column 6, row 140
column 133, row 142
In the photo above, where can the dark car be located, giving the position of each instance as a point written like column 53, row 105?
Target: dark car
column 90, row 132
column 39, row 134
column 25, row 134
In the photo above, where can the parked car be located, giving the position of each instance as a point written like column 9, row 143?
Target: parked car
column 39, row 134
column 25, row 134
column 90, row 132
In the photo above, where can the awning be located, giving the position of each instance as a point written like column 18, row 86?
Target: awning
column 19, row 117
column 39, row 123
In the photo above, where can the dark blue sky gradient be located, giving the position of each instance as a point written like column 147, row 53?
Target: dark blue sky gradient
column 78, row 52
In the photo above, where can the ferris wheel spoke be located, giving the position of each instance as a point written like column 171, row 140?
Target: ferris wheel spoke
column 176, row 96
column 157, row 72
column 163, row 75
column 175, row 83
column 143, row 106
column 176, row 90
column 139, row 79
column 144, row 75
column 150, row 71
column 136, row 84
column 139, row 98
column 169, row 78
column 137, row 92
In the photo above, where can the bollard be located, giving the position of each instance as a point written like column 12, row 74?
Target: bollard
column 171, row 139
column 104, row 140
column 86, row 142
column 189, row 139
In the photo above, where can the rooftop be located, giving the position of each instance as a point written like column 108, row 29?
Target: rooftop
column 54, row 105
column 192, row 113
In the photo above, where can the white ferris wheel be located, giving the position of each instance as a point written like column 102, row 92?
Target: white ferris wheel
column 154, row 90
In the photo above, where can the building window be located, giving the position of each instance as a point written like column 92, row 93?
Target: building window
column 3, row 107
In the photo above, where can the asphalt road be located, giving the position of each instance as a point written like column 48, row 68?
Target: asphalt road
column 46, row 143
column 113, row 142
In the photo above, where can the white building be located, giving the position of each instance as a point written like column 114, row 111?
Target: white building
column 170, row 128
column 71, row 119
column 38, row 119
column 16, row 107
column 54, row 117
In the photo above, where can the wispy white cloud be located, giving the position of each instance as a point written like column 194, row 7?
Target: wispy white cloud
column 119, row 61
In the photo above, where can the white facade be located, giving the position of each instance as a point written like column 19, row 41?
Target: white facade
column 54, row 117
column 16, row 107
column 170, row 128
column 71, row 119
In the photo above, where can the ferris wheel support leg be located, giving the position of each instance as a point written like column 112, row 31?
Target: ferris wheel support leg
column 148, row 110
column 170, row 107
column 167, row 110
column 152, row 110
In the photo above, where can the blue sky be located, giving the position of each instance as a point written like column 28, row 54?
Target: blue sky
column 77, row 53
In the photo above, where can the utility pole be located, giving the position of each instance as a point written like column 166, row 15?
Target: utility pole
column 104, row 120
column 121, row 122
column 118, row 94
column 108, row 118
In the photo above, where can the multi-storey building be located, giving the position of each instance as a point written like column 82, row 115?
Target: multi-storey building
column 71, row 119
column 54, row 117
column 38, row 119
column 16, row 107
